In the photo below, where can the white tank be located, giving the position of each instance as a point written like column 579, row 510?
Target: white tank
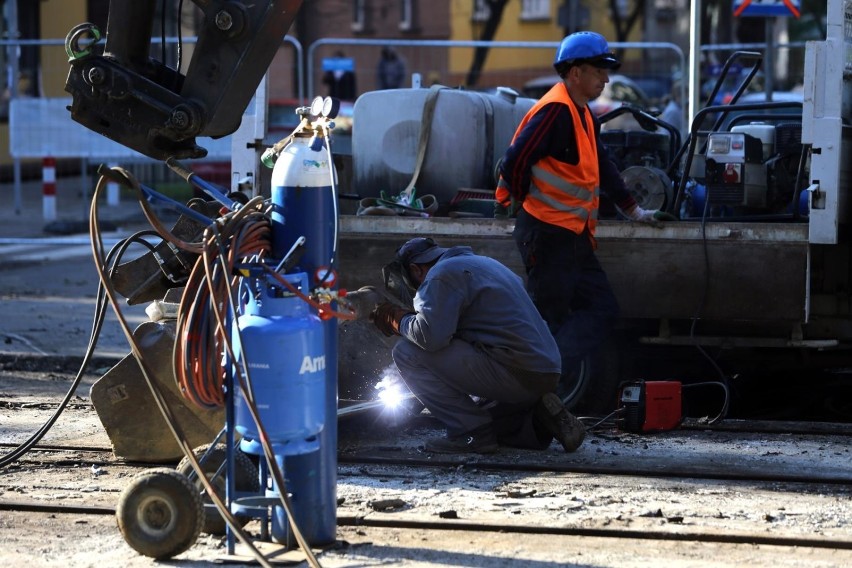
column 763, row 132
column 470, row 132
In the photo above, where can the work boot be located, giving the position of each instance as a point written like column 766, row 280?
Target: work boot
column 558, row 422
column 479, row 441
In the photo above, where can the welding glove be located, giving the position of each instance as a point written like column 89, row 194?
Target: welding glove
column 386, row 318
column 650, row 217
column 362, row 301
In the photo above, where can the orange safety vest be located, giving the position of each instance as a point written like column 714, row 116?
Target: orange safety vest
column 563, row 194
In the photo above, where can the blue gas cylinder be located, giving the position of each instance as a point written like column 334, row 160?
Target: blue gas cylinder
column 283, row 343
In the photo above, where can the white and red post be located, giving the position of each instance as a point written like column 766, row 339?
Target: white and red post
column 113, row 193
column 48, row 176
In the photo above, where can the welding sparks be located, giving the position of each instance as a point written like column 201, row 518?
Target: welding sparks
column 390, row 392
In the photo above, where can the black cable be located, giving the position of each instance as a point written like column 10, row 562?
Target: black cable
column 797, row 188
column 700, row 307
column 723, row 384
column 163, row 32
column 179, row 35
column 101, row 304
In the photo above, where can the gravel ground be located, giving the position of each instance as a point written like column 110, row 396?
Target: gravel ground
column 469, row 492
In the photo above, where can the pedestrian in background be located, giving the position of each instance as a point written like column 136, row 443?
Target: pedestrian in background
column 340, row 79
column 551, row 177
column 390, row 73
column 672, row 113
column 474, row 331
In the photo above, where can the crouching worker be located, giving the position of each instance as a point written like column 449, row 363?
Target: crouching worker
column 474, row 332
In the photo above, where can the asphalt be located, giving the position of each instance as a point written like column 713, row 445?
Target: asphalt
column 46, row 264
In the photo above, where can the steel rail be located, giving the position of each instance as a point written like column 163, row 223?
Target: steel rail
column 491, row 465
column 668, row 473
column 452, row 525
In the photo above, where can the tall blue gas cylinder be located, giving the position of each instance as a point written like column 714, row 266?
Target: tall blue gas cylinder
column 304, row 205
column 281, row 342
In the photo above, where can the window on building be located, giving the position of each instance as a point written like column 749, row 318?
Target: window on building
column 535, row 9
column 359, row 15
column 481, row 11
column 407, row 15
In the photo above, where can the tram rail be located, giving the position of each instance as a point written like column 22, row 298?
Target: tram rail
column 376, row 462
column 502, row 528
column 494, row 464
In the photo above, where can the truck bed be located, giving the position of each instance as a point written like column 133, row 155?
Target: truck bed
column 753, row 271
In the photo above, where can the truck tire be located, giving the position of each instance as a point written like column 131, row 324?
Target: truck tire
column 592, row 388
column 160, row 513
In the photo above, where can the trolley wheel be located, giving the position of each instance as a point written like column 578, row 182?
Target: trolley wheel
column 246, row 481
column 160, row 513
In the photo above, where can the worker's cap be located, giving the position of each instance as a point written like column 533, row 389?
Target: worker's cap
column 421, row 250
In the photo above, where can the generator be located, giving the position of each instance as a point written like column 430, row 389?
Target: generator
column 734, row 171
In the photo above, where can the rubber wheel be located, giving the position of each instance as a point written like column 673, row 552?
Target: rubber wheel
column 573, row 386
column 160, row 513
column 592, row 388
column 246, row 481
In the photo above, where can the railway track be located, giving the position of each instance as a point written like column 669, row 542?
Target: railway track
column 365, row 531
column 743, row 486
column 54, row 456
column 450, row 525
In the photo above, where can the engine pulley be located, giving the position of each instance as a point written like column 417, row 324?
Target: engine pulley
column 650, row 187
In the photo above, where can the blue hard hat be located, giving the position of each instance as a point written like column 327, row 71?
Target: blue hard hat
column 586, row 47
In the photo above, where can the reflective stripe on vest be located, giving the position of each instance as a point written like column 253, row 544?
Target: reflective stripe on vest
column 581, row 196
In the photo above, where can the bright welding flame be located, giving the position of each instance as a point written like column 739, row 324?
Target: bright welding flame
column 390, row 393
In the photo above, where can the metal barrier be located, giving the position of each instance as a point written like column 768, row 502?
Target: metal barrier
column 42, row 127
column 447, row 44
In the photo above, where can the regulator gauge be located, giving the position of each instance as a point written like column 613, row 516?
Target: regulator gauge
column 330, row 107
column 317, row 106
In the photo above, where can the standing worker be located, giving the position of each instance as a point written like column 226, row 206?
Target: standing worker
column 551, row 176
column 475, row 332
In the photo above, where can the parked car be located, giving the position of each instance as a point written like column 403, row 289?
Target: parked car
column 768, row 115
column 620, row 89
column 282, row 119
column 658, row 87
column 730, row 84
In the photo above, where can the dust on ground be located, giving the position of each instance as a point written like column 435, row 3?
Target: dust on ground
column 467, row 492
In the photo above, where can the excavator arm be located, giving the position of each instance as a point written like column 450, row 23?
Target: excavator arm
column 139, row 102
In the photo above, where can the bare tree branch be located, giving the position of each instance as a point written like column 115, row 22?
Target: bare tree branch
column 489, row 30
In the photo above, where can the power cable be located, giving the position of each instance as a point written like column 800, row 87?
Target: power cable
column 723, row 379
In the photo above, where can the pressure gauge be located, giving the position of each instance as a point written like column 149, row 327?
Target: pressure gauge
column 330, row 107
column 317, row 106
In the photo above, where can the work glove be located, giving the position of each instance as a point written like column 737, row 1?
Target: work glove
column 362, row 301
column 649, row 216
column 507, row 212
column 386, row 318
